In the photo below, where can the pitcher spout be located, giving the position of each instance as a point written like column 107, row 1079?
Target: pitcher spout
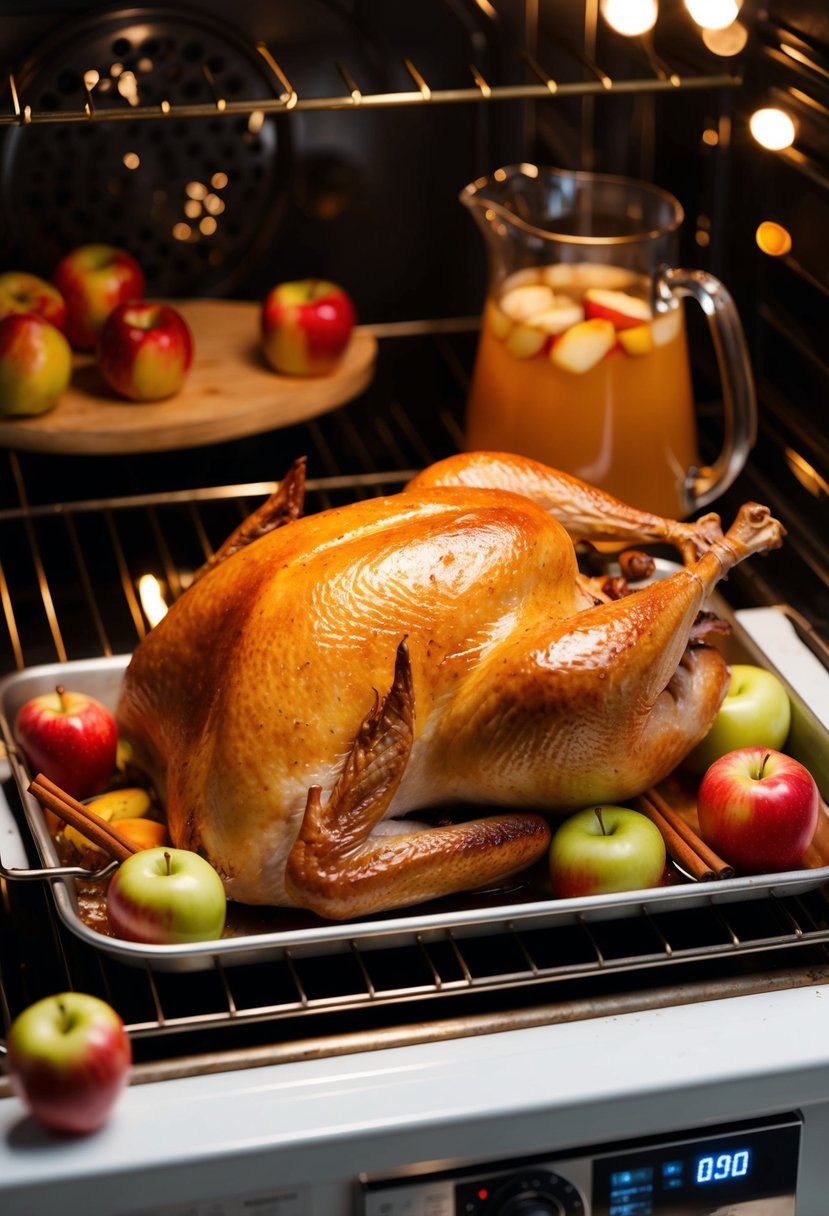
column 496, row 200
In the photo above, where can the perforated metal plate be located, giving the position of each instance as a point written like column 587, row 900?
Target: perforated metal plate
column 195, row 200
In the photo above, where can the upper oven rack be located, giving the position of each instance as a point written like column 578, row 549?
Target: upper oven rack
column 662, row 78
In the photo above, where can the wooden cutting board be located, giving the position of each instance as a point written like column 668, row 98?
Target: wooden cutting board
column 230, row 392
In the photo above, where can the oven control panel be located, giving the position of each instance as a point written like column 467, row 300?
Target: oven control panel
column 745, row 1169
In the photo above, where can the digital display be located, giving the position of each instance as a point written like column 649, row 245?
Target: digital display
column 688, row 1177
column 724, row 1165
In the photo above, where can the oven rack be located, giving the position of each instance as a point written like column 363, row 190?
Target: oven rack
column 121, row 105
column 436, row 986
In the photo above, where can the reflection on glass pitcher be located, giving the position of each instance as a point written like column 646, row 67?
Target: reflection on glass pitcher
column 583, row 357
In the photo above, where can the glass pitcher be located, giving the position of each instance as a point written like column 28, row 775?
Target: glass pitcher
column 583, row 361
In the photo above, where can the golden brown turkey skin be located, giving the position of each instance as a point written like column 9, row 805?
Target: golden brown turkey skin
column 513, row 688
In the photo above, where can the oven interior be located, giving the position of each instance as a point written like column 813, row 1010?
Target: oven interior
column 345, row 132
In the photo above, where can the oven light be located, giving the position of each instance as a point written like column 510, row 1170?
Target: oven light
column 773, row 239
column 131, row 160
column 630, row 17
column 713, row 14
column 152, row 600
column 727, row 42
column 772, row 128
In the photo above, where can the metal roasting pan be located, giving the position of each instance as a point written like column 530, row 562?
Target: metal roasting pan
column 463, row 916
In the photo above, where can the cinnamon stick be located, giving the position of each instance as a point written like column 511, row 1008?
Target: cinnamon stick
column 722, row 868
column 67, row 808
column 683, row 844
column 677, row 848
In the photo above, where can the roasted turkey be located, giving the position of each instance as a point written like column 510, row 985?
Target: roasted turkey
column 325, row 676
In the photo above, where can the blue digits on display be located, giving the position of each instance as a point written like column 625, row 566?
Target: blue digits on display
column 719, row 1166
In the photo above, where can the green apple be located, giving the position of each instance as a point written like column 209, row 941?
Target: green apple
column 756, row 712
column 166, row 896
column 604, row 849
column 69, row 1058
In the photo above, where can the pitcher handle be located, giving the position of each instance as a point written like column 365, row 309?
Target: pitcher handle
column 706, row 483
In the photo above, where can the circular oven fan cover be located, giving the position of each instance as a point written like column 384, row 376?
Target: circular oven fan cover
column 197, row 200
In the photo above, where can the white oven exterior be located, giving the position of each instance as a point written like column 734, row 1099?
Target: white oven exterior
column 293, row 1139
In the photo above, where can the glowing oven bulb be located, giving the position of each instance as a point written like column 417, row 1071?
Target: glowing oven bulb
column 772, row 128
column 713, row 14
column 630, row 17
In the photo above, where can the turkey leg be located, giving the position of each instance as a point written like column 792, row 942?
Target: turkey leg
column 344, row 864
column 602, row 704
column 586, row 512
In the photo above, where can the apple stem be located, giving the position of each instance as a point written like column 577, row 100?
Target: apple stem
column 61, row 691
column 763, row 765
column 168, row 859
column 598, row 814
column 65, row 1018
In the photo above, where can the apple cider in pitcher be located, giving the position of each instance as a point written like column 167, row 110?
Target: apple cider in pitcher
column 574, row 370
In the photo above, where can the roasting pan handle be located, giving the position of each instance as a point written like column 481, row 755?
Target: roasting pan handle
column 703, row 485
column 38, row 874
column 11, row 764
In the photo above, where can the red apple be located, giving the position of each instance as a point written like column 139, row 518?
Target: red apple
column 93, row 279
column 35, row 365
column 306, row 327
column 604, row 849
column 166, row 896
column 759, row 809
column 22, row 292
column 145, row 350
column 69, row 737
column 69, row 1059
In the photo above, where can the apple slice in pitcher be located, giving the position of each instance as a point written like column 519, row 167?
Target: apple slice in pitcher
column 638, row 340
column 666, row 326
column 584, row 345
column 520, row 303
column 554, row 321
column 623, row 310
column 523, row 341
